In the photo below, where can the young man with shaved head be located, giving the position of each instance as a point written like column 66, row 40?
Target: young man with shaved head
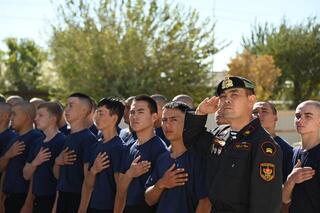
column 301, row 190
column 16, row 188
column 71, row 165
column 244, row 163
column 14, row 99
column 185, row 99
column 161, row 100
column 267, row 114
column 6, row 135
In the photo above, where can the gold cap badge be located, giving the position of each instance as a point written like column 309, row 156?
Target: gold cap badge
column 227, row 83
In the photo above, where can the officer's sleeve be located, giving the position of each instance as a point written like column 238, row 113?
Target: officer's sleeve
column 195, row 135
column 200, row 178
column 266, row 178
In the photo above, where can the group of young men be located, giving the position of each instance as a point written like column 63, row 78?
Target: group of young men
column 78, row 159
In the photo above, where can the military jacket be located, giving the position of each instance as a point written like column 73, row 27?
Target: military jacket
column 244, row 172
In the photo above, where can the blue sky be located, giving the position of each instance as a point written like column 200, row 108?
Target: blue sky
column 234, row 19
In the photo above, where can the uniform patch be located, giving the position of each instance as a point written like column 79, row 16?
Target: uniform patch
column 242, row 146
column 217, row 146
column 267, row 171
column 219, row 141
column 268, row 148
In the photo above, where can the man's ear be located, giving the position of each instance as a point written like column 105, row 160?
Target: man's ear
column 252, row 100
column 154, row 117
column 114, row 118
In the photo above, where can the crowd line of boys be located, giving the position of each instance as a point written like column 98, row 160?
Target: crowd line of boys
column 78, row 159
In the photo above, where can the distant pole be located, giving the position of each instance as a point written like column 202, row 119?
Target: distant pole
column 214, row 19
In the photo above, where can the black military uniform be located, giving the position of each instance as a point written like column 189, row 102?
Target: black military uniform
column 244, row 168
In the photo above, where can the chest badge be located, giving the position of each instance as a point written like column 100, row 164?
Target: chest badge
column 267, row 171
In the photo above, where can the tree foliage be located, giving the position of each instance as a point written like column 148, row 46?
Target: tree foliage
column 21, row 64
column 260, row 69
column 296, row 51
column 129, row 47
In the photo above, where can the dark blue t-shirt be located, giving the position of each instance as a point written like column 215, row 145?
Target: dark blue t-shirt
column 13, row 179
column 71, row 176
column 104, row 190
column 306, row 196
column 181, row 198
column 65, row 129
column 93, row 128
column 44, row 183
column 160, row 134
column 149, row 151
column 287, row 152
column 5, row 137
column 129, row 137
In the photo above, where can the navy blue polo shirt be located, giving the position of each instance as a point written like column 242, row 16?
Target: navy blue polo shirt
column 93, row 128
column 44, row 183
column 160, row 134
column 129, row 137
column 14, row 183
column 71, row 176
column 287, row 152
column 306, row 195
column 65, row 129
column 105, row 187
column 5, row 137
column 149, row 151
column 181, row 198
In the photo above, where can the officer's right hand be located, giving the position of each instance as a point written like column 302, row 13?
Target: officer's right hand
column 208, row 106
column 173, row 177
column 16, row 149
column 138, row 168
column 300, row 174
column 66, row 157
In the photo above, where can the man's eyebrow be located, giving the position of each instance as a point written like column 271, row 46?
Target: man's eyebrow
column 308, row 113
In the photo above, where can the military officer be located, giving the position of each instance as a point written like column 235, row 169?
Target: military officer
column 244, row 163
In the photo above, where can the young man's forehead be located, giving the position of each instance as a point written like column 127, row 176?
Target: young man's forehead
column 140, row 104
column 307, row 109
column 261, row 105
column 102, row 108
column 17, row 108
column 42, row 109
column 172, row 112
column 73, row 100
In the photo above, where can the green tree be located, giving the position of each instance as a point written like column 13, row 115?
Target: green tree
column 129, row 47
column 21, row 64
column 296, row 51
